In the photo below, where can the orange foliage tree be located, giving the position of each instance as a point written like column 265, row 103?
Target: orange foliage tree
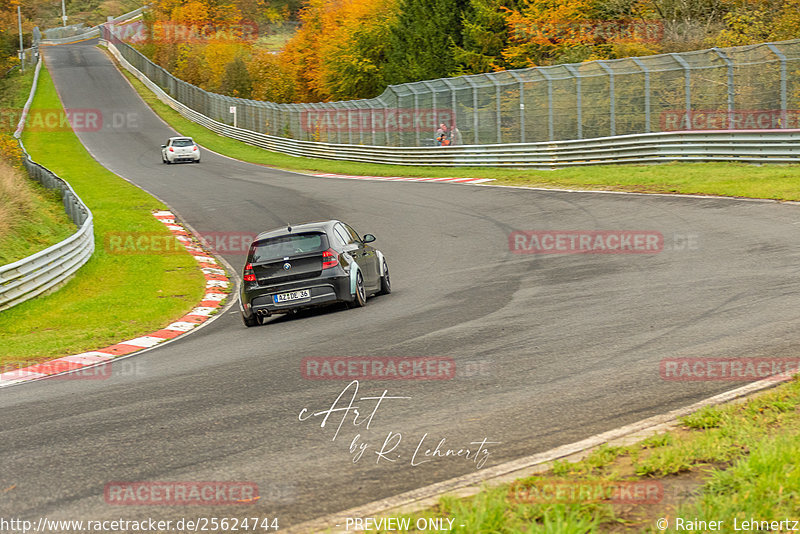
column 272, row 77
column 543, row 29
column 340, row 47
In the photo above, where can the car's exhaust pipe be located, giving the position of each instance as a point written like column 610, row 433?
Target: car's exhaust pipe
column 263, row 313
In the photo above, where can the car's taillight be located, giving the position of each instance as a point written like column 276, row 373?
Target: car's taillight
column 194, row 148
column 171, row 149
column 249, row 273
column 329, row 259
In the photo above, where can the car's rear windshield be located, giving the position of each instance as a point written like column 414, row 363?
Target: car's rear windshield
column 276, row 248
column 182, row 142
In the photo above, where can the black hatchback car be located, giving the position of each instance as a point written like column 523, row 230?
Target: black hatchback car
column 309, row 265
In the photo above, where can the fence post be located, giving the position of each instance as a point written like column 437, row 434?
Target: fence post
column 612, row 107
column 302, row 132
column 360, row 106
column 385, row 119
column 498, row 110
column 272, row 119
column 280, row 118
column 348, row 106
column 373, row 102
column 578, row 99
column 475, row 120
column 434, row 109
column 416, row 110
column 521, row 83
column 731, row 104
column 687, row 88
column 550, row 124
column 646, row 92
column 782, row 59
column 314, row 127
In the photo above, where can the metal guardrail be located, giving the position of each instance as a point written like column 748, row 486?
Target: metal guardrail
column 757, row 146
column 64, row 31
column 49, row 269
column 95, row 31
column 129, row 15
column 91, row 34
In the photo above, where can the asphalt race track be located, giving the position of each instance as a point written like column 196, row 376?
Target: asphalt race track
column 549, row 348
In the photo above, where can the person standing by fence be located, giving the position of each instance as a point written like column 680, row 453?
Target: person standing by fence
column 455, row 135
column 442, row 135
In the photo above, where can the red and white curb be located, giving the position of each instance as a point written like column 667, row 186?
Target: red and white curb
column 217, row 283
column 406, row 178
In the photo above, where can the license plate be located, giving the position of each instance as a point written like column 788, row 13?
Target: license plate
column 292, row 295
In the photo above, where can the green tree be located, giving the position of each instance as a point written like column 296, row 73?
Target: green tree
column 422, row 42
column 236, row 80
column 484, row 36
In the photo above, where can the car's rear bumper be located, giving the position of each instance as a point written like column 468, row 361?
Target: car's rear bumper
column 323, row 290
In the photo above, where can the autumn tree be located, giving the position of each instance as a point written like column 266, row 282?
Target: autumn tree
column 754, row 21
column 273, row 77
column 302, row 51
column 541, row 31
column 9, row 36
column 787, row 22
column 190, row 65
column 353, row 54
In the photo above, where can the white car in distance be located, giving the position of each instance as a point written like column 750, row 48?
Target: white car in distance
column 180, row 149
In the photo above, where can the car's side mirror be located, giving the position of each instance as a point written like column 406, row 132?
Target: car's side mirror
column 368, row 238
column 163, row 146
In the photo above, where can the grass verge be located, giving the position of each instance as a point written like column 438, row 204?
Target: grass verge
column 723, row 463
column 114, row 296
column 21, row 234
column 778, row 182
